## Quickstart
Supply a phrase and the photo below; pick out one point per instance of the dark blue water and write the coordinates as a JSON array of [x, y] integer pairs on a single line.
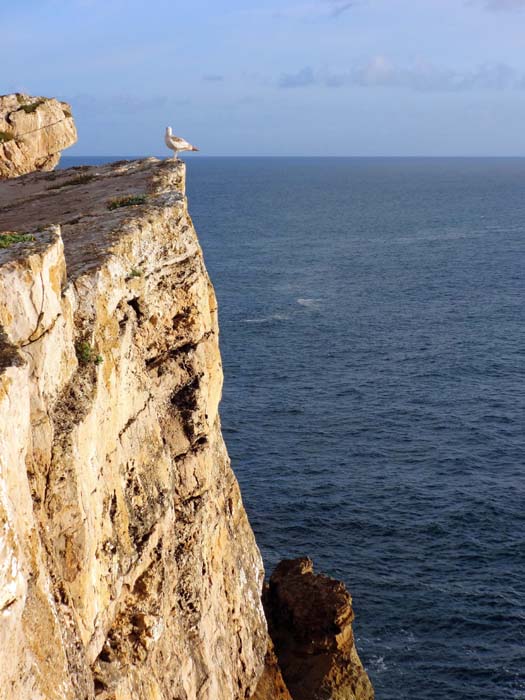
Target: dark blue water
[[373, 329]]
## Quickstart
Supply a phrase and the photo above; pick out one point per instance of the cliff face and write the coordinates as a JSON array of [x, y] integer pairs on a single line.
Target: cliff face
[[128, 568], [33, 132]]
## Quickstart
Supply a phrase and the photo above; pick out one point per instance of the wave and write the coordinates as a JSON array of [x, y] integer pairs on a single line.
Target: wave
[[266, 319], [376, 664], [309, 303]]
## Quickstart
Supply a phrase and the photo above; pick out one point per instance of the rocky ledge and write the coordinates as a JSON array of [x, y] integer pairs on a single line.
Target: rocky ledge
[[33, 132], [128, 567]]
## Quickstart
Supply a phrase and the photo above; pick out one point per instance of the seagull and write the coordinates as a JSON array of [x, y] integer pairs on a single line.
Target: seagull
[[176, 143]]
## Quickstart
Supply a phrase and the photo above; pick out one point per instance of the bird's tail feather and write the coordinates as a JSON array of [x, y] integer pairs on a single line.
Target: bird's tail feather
[[194, 148]]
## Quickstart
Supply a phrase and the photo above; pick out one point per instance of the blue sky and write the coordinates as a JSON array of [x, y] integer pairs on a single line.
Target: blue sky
[[265, 77]]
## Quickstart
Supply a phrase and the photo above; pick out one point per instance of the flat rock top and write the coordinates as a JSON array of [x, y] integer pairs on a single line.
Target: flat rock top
[[319, 605], [21, 114], [89, 203]]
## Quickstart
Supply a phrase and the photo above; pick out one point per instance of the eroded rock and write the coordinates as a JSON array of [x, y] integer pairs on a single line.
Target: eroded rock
[[310, 621], [33, 133]]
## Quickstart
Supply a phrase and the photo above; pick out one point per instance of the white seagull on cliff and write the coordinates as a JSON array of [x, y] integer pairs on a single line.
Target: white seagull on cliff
[[176, 143]]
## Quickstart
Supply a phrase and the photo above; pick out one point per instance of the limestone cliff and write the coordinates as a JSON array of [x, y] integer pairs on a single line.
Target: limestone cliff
[[33, 132], [128, 568]]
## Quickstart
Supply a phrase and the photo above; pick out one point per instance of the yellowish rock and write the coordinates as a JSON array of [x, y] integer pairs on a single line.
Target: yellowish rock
[[33, 133], [128, 568]]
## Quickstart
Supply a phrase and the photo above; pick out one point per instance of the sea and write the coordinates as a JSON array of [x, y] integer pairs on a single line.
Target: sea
[[372, 316]]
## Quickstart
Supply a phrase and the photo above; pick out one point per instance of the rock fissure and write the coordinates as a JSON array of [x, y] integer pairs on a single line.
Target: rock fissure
[[133, 419], [21, 134], [32, 340]]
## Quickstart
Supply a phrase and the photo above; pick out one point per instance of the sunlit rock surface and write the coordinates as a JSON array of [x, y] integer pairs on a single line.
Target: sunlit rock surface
[[128, 568], [33, 132]]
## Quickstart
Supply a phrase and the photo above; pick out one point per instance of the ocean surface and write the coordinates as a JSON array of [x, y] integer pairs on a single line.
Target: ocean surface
[[372, 319]]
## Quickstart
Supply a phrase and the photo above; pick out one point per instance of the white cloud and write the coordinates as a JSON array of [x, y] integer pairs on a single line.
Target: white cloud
[[302, 78], [499, 5], [316, 10], [338, 7], [421, 76]]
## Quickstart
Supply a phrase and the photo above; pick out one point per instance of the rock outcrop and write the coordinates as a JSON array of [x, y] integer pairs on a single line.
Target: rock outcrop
[[33, 132], [310, 620], [128, 568], [271, 685]]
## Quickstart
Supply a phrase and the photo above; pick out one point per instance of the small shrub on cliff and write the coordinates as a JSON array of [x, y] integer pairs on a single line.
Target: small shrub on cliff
[[136, 273], [7, 239], [29, 109], [128, 201], [79, 180], [86, 354]]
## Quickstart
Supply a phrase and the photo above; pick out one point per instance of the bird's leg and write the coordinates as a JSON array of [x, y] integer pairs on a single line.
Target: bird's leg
[[175, 155]]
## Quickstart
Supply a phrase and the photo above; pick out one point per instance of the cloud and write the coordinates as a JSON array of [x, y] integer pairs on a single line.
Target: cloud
[[499, 5], [421, 76], [213, 78], [338, 7], [302, 78], [316, 10]]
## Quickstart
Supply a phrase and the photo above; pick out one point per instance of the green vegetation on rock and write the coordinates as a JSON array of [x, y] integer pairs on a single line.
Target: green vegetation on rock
[[7, 239], [29, 109], [86, 353], [79, 180], [128, 201]]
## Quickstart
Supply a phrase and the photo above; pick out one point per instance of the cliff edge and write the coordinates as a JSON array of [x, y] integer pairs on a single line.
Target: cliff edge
[[128, 568]]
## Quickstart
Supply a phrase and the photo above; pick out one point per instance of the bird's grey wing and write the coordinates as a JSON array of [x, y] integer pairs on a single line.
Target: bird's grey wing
[[177, 141]]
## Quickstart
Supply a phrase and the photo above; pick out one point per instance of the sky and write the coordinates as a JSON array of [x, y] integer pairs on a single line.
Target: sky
[[277, 77]]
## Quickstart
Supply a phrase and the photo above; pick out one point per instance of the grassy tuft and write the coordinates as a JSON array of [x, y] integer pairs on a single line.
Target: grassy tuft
[[79, 180], [29, 109], [7, 239], [86, 353], [129, 201], [136, 273]]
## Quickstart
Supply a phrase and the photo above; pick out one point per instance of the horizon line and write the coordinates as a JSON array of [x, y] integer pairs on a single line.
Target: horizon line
[[162, 157]]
